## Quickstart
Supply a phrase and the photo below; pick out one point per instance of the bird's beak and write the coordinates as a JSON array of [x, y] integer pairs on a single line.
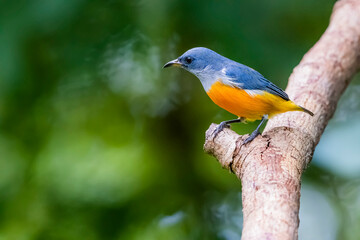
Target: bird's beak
[[175, 63]]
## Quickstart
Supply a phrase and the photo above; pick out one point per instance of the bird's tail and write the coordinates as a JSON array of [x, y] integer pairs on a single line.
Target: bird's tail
[[291, 106], [307, 111]]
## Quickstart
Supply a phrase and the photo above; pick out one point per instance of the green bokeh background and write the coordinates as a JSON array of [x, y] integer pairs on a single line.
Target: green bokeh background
[[99, 142]]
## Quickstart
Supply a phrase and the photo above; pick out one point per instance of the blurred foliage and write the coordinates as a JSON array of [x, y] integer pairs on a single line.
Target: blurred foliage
[[99, 142]]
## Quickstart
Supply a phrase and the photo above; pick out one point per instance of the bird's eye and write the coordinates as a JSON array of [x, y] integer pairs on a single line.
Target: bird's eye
[[188, 60]]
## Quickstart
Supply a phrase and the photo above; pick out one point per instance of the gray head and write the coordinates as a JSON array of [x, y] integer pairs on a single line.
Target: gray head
[[197, 59], [203, 63]]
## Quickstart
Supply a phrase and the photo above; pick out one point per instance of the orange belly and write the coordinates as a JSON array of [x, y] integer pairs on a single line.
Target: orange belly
[[249, 106]]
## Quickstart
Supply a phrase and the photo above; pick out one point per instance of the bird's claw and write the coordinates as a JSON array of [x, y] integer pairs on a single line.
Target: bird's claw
[[252, 136], [220, 127]]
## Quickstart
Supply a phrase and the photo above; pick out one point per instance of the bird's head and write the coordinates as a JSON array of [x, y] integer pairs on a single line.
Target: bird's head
[[196, 60], [204, 63]]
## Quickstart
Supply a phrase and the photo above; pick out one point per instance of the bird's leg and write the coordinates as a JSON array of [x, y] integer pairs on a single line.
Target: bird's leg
[[226, 124], [254, 134]]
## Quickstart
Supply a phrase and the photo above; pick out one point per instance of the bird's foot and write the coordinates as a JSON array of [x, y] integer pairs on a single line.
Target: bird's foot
[[252, 136], [220, 127]]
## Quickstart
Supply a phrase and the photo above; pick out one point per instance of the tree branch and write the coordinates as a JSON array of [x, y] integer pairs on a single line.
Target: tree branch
[[270, 167]]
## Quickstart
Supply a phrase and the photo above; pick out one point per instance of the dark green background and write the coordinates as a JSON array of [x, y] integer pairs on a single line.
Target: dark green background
[[99, 142]]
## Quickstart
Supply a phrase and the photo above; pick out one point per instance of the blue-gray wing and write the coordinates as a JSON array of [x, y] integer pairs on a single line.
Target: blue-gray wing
[[247, 78]]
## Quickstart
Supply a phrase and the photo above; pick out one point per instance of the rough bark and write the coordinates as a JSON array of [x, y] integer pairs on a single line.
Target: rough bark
[[270, 167]]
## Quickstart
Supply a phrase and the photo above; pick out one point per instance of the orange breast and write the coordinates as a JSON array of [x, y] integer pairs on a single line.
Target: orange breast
[[249, 106]]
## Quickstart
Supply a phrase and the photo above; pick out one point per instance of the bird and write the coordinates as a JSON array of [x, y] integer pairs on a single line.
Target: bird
[[236, 88]]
